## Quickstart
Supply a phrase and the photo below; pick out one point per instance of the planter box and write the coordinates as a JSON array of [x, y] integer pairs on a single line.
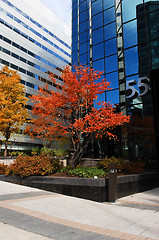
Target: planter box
[[88, 188]]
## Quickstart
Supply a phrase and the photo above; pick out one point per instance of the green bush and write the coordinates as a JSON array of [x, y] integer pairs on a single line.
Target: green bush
[[87, 172], [47, 151], [34, 165], [60, 152]]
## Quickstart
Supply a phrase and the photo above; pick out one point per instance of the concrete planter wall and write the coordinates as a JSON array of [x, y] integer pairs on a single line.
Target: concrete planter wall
[[92, 189]]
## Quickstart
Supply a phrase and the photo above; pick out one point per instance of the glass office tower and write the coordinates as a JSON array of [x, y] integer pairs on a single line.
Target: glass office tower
[[120, 38], [35, 42]]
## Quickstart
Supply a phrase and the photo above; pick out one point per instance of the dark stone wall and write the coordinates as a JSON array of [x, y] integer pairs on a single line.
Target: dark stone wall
[[88, 188]]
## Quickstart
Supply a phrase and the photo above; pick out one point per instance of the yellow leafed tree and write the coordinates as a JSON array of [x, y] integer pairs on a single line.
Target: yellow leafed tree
[[13, 113]]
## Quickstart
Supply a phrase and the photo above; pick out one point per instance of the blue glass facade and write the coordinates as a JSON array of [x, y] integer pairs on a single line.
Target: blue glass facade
[[121, 39]]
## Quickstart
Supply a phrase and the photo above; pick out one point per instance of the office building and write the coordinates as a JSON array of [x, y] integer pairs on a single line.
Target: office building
[[34, 42], [121, 39]]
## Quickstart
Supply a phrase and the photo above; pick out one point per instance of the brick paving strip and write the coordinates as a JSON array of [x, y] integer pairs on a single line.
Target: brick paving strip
[[10, 204], [139, 203]]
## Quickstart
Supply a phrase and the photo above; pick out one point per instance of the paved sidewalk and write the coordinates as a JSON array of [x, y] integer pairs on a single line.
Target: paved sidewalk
[[32, 214]]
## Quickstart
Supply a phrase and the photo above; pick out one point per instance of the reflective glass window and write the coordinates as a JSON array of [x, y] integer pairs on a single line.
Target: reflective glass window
[[15, 45], [110, 31], [23, 49], [22, 81], [74, 14], [129, 9], [109, 15], [5, 62], [28, 84], [96, 7], [37, 67], [37, 57], [111, 64], [75, 38], [7, 40], [98, 51], [83, 59], [97, 36], [99, 65], [83, 27], [74, 46], [6, 51], [100, 98], [110, 47], [131, 61], [83, 6], [97, 21], [108, 4], [74, 22], [22, 59], [15, 55], [22, 70], [83, 48], [82, 17], [83, 37], [30, 74], [130, 33], [112, 96], [75, 55], [74, 6], [14, 66], [113, 79], [30, 63]]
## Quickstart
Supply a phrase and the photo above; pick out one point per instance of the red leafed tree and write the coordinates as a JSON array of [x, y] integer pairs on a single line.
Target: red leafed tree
[[69, 110]]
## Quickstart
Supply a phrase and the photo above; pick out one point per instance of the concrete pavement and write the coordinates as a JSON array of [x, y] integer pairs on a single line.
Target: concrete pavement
[[28, 213]]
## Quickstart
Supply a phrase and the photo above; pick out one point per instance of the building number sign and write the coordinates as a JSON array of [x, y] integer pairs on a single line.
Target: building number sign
[[143, 85]]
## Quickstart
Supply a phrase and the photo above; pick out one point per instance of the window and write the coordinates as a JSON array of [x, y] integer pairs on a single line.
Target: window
[[97, 21], [15, 55], [7, 40], [23, 49], [98, 51], [22, 81], [15, 45], [110, 47], [22, 70], [97, 36], [99, 65], [14, 66], [112, 96], [96, 7], [111, 64], [6, 51], [30, 74], [22, 59], [109, 15], [30, 63]]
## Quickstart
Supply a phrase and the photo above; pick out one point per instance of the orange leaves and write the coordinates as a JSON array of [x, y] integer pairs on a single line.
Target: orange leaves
[[12, 101], [69, 110]]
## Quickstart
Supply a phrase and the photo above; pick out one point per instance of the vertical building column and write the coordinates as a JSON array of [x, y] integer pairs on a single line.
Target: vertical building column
[[120, 53], [90, 33]]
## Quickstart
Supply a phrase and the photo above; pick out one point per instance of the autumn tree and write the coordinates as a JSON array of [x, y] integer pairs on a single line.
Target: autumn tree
[[69, 110], [13, 113]]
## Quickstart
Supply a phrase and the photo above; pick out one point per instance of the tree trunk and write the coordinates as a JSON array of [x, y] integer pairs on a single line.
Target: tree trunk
[[6, 147], [7, 138]]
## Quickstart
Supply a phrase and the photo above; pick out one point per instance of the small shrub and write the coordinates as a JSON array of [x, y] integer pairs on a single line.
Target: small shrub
[[123, 166], [133, 167], [34, 165], [47, 151], [60, 152], [87, 172], [2, 168], [103, 163]]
